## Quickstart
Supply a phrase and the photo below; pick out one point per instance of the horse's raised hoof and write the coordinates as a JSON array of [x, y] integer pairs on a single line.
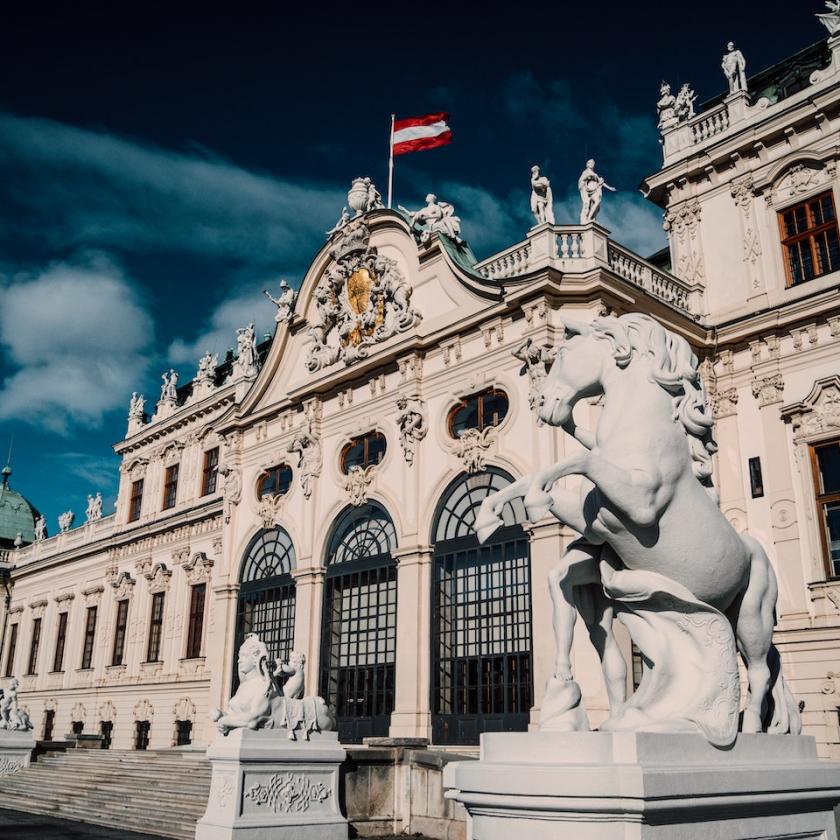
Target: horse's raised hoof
[[562, 707]]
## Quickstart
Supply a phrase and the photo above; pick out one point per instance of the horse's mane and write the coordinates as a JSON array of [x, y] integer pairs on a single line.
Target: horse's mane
[[674, 368]]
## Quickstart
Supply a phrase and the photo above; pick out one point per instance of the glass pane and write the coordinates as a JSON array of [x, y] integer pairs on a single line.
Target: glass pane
[[495, 408], [816, 209], [832, 522], [790, 223], [828, 458], [832, 261], [465, 417], [376, 449], [355, 454], [800, 219], [827, 206]]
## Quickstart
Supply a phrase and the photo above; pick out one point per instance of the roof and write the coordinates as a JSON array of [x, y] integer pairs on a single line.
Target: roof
[[17, 515]]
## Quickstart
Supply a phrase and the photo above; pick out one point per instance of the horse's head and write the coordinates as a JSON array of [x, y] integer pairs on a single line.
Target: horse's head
[[575, 373]]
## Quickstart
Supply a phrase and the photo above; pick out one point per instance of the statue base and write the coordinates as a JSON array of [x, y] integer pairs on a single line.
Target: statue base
[[645, 785], [16, 748], [267, 786]]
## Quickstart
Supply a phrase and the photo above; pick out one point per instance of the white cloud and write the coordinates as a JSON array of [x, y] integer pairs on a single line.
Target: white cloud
[[78, 335]]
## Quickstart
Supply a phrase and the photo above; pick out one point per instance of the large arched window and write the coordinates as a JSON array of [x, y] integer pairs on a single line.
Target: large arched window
[[481, 616], [267, 593], [359, 624]]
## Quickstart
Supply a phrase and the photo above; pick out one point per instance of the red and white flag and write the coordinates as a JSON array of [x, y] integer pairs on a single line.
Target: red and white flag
[[417, 133]]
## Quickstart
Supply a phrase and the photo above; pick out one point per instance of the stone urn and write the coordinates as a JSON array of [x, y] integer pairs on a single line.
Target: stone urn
[[357, 197]]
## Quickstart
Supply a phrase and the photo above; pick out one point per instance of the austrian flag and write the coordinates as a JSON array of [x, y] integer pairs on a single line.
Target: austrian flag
[[417, 133]]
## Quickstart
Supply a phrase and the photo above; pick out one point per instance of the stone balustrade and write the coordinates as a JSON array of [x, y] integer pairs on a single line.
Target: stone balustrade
[[710, 123], [509, 263]]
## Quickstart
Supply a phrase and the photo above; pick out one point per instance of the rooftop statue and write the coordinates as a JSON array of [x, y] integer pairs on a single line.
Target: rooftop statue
[[260, 704], [363, 196], [666, 107], [169, 389], [65, 521], [285, 303], [435, 217], [94, 507], [591, 187], [247, 362], [831, 20], [684, 104], [40, 528], [655, 550], [542, 200], [12, 717], [734, 67], [206, 373], [137, 407]]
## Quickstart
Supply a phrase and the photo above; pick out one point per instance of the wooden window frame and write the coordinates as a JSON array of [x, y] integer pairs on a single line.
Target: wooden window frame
[[135, 503], [482, 424], [89, 638], [195, 622], [822, 499], [156, 627], [365, 441], [810, 233], [120, 628], [170, 486], [33, 648], [210, 472], [60, 642], [11, 650], [274, 470]]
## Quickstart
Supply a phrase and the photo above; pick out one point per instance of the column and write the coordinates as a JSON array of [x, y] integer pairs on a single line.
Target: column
[[778, 488], [309, 596], [412, 716], [221, 657]]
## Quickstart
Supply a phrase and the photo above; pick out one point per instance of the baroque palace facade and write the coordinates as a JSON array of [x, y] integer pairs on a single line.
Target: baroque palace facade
[[320, 489]]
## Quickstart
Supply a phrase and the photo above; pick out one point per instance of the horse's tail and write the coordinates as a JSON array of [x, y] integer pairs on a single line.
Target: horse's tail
[[781, 712]]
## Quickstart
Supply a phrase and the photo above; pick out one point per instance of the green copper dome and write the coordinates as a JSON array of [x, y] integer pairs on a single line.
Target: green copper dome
[[17, 516]]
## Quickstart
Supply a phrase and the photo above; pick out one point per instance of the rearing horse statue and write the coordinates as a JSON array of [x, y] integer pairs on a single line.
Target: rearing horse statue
[[655, 550]]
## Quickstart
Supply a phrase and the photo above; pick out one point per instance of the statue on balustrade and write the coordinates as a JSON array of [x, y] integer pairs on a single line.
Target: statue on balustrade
[[654, 551], [734, 67], [684, 103], [259, 702], [666, 107], [591, 187], [435, 217], [831, 19], [542, 200]]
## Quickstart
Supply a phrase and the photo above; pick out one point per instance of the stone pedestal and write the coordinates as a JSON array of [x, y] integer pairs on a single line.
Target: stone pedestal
[[640, 786], [266, 787], [15, 750]]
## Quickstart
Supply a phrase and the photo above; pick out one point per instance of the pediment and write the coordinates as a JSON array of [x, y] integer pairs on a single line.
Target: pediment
[[819, 411]]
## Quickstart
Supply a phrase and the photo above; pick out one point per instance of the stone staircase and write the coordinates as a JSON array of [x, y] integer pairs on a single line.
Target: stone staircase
[[153, 792]]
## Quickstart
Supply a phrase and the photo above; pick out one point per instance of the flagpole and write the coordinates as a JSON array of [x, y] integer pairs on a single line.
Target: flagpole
[[391, 163]]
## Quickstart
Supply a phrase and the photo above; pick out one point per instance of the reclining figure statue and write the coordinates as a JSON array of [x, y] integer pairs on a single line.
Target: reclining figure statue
[[11, 715], [655, 550], [258, 702]]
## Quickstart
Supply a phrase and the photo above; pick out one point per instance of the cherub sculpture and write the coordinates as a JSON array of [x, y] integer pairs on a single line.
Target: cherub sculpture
[[12, 717]]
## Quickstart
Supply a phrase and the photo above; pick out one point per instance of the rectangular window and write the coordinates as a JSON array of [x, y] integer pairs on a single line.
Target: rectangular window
[[33, 650], [119, 633], [196, 626], [825, 461], [136, 500], [809, 239], [10, 654], [155, 628], [90, 633], [183, 733], [141, 734], [49, 724], [170, 487], [756, 480], [210, 471], [60, 641]]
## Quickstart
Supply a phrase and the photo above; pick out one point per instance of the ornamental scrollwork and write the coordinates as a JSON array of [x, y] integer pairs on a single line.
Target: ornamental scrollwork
[[288, 792], [362, 299]]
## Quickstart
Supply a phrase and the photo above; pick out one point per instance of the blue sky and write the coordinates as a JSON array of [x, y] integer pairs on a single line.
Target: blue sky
[[159, 168]]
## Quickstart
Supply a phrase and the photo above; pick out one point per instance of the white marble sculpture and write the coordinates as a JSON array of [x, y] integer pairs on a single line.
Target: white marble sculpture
[[591, 187], [247, 364], [136, 412], [684, 104], [655, 549], [411, 421], [285, 303], [537, 359], [233, 489], [362, 299], [734, 67], [363, 196], [12, 717], [94, 508], [666, 107], [40, 528], [307, 445], [343, 219], [831, 19], [542, 200], [435, 217], [258, 702], [18, 543], [169, 388], [206, 373], [65, 521], [356, 483]]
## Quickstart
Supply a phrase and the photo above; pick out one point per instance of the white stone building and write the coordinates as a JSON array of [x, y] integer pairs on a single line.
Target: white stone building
[[320, 490]]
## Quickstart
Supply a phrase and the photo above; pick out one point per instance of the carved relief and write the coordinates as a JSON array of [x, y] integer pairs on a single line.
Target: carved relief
[[472, 448], [184, 709], [768, 389], [361, 300], [743, 191], [158, 578], [232, 489], [123, 586], [724, 402], [307, 443], [356, 483], [411, 420], [143, 710], [10, 765], [288, 793], [683, 222], [269, 510], [93, 594], [537, 360], [198, 569], [818, 412]]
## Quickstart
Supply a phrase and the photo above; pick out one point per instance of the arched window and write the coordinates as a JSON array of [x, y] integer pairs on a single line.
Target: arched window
[[481, 616], [363, 451], [478, 411], [359, 622], [275, 481], [266, 603]]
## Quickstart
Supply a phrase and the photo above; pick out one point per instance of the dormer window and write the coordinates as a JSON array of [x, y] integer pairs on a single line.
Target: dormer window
[[809, 239], [363, 451], [275, 481], [478, 411]]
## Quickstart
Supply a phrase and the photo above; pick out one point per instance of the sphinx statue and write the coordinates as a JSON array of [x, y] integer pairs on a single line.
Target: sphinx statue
[[260, 704], [655, 551]]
